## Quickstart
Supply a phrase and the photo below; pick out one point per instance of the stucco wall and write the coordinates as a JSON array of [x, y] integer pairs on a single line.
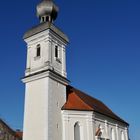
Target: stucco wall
[[109, 126], [89, 123], [35, 112], [85, 121], [57, 98], [44, 99]]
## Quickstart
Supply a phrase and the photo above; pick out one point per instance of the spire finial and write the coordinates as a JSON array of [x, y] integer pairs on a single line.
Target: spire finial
[[47, 11]]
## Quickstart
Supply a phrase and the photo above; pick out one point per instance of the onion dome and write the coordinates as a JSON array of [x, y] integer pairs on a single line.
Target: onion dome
[[47, 11]]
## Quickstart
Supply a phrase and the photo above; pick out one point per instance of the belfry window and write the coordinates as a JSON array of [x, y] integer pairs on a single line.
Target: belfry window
[[76, 131], [43, 19], [38, 51], [47, 18], [56, 52]]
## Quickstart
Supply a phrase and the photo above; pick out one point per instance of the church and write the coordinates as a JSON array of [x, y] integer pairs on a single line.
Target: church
[[54, 110]]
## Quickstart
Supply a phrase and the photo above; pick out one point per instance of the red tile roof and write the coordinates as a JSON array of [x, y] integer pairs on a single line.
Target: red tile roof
[[78, 100], [19, 134]]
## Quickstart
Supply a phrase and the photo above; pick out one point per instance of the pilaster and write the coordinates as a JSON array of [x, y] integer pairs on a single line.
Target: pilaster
[[90, 130], [126, 133], [65, 130], [117, 132], [106, 129]]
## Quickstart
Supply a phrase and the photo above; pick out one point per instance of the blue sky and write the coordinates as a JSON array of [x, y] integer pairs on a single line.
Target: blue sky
[[103, 57]]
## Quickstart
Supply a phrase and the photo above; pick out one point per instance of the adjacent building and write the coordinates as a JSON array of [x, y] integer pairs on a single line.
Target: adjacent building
[[6, 133]]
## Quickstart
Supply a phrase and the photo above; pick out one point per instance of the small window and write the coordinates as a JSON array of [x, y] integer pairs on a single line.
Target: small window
[[43, 19], [38, 51], [47, 18], [56, 52]]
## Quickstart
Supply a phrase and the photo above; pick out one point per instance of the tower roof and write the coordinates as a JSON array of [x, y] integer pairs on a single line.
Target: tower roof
[[45, 26], [47, 11]]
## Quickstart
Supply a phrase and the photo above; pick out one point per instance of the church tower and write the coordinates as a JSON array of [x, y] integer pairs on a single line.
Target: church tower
[[45, 76]]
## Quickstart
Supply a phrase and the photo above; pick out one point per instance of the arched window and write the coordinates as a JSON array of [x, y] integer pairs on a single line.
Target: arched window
[[38, 50], [112, 134], [99, 131], [56, 52], [76, 131], [43, 19], [122, 135]]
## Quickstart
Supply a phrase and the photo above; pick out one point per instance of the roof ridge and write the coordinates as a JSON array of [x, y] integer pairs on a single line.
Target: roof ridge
[[93, 98], [87, 96], [84, 92], [87, 102], [7, 125], [107, 109]]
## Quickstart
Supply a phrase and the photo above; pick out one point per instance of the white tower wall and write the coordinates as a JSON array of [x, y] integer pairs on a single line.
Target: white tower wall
[[45, 82], [43, 101]]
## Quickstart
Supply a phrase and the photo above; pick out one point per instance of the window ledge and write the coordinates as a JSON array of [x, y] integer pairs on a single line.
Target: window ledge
[[37, 58], [58, 60]]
